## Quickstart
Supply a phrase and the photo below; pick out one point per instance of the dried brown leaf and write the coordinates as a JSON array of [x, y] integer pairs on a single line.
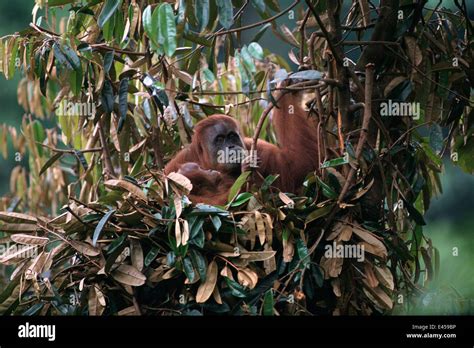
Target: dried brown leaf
[[206, 289]]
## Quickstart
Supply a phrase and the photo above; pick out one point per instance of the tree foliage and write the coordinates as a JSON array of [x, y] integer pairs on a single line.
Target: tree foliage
[[95, 227]]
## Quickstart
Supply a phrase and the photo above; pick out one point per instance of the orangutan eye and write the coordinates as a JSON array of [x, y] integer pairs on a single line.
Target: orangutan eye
[[219, 139], [233, 136]]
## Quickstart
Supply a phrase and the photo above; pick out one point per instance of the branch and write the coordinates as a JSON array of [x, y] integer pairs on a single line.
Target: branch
[[303, 36], [261, 121], [369, 73], [250, 26], [72, 152], [156, 136], [325, 33], [109, 168]]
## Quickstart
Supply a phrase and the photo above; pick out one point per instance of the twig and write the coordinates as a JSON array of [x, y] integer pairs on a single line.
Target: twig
[[253, 25], [369, 71], [43, 31], [109, 168], [363, 43], [76, 216], [117, 50], [261, 121], [369, 75], [223, 106], [96, 149], [339, 132], [303, 36], [326, 34], [159, 162]]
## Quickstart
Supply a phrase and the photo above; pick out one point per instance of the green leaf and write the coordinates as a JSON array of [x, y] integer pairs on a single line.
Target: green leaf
[[216, 221], [196, 234], [189, 269], [317, 274], [76, 81], [199, 261], [234, 190], [137, 166], [148, 25], [108, 60], [72, 57], [123, 103], [261, 32], [206, 209], [39, 135], [167, 29], [108, 11], [256, 50], [195, 225], [416, 240], [269, 180], [119, 27], [334, 162], [318, 213], [259, 5], [415, 214], [50, 162], [268, 303], [152, 254], [100, 226], [248, 60], [61, 57], [117, 251], [107, 97], [226, 13], [202, 13], [431, 154], [81, 158], [303, 253], [69, 59], [241, 199], [33, 309], [115, 245], [328, 192], [12, 62], [236, 289], [208, 75]]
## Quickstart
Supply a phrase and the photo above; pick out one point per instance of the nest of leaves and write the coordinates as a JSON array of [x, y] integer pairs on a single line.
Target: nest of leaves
[[143, 248]]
